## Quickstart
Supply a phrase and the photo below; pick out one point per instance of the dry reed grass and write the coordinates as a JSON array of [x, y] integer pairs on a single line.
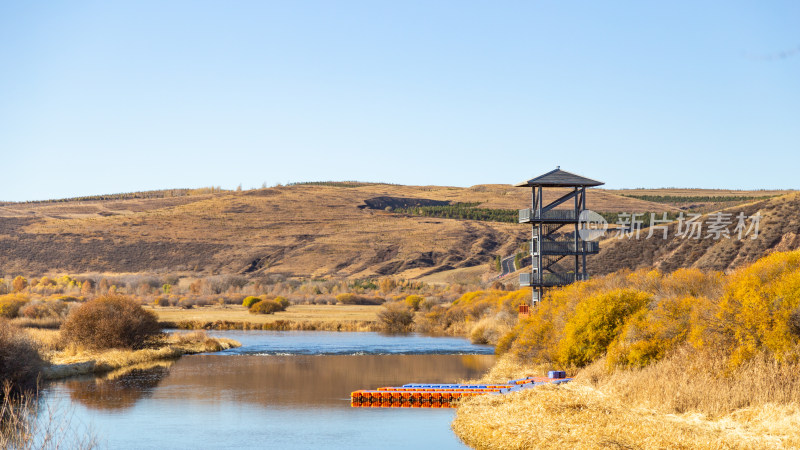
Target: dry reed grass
[[577, 415], [47, 340], [692, 381], [20, 362], [687, 400], [21, 429], [46, 323], [507, 367], [489, 330]]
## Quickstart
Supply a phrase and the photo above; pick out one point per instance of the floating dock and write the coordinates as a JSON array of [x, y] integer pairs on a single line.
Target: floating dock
[[443, 395]]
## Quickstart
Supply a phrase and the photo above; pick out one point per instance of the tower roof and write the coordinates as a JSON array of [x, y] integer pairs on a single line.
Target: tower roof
[[559, 178]]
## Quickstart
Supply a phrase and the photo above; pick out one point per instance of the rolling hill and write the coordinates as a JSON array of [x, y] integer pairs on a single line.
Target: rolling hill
[[314, 230]]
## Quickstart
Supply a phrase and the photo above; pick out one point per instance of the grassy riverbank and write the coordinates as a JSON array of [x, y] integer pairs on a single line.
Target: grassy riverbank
[[63, 361], [296, 317]]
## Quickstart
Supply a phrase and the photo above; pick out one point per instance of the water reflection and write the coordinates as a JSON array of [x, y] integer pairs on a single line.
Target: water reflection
[[120, 389], [297, 380], [274, 401], [313, 380]]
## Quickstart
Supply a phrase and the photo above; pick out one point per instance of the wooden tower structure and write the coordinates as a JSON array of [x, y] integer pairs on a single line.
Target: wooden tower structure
[[555, 233]]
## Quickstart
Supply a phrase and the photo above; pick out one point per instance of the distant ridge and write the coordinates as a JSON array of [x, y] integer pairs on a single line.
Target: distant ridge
[[316, 229]]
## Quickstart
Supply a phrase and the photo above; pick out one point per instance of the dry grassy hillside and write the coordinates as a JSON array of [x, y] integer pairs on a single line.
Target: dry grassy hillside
[[779, 229], [330, 230]]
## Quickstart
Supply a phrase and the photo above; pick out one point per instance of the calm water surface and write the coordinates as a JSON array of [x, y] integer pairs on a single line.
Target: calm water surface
[[279, 390]]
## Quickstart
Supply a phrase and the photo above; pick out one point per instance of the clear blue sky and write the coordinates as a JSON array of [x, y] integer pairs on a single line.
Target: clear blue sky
[[104, 97]]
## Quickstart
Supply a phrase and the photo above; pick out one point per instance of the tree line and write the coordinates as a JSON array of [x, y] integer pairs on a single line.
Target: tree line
[[696, 198]]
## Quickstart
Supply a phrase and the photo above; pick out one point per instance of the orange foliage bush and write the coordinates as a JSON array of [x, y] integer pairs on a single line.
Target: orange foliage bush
[[396, 317], [111, 321], [477, 304], [283, 301], [266, 307], [19, 283]]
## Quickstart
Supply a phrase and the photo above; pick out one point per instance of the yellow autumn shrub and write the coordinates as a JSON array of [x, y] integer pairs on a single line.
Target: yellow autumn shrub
[[479, 303], [596, 323], [538, 337], [413, 301], [638, 317], [759, 307], [10, 304], [650, 333], [692, 282]]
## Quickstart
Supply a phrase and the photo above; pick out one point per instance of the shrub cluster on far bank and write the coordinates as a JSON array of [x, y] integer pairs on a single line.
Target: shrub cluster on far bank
[[250, 301], [188, 290], [396, 318], [484, 316], [20, 305], [269, 305], [349, 298]]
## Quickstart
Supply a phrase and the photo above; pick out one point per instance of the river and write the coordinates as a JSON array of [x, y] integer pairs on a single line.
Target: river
[[279, 390]]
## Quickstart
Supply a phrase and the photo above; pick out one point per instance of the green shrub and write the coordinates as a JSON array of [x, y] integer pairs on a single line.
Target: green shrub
[[111, 321], [250, 301], [266, 307], [20, 363]]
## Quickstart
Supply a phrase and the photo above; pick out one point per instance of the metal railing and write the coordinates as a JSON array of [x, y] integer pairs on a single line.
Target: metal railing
[[555, 215], [547, 279], [565, 247]]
